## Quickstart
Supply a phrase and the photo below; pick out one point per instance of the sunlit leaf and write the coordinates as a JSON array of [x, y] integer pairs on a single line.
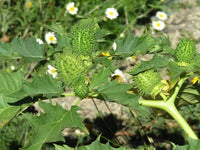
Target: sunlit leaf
[[48, 126], [29, 49], [156, 62]]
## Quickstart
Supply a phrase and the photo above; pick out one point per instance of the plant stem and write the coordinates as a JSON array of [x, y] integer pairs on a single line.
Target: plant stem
[[169, 107], [177, 89]]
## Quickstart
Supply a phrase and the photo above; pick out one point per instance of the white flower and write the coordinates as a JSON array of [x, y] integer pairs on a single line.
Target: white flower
[[39, 41], [158, 25], [161, 15], [12, 68], [114, 46], [53, 71], [71, 9], [111, 13], [118, 74], [50, 38]]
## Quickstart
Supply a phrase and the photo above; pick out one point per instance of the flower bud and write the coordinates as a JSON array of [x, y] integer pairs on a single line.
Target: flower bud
[[148, 82], [185, 51]]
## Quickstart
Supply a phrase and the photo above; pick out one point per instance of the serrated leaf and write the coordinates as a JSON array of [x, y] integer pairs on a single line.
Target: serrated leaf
[[29, 49], [47, 86], [131, 45], [115, 92], [100, 78], [156, 62], [48, 126], [10, 82]]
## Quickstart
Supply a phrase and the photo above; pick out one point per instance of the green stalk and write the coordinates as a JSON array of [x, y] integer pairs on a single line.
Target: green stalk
[[168, 106]]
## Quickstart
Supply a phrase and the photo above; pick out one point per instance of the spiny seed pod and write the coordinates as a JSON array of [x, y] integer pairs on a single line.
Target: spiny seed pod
[[185, 51], [147, 81], [81, 87], [84, 37], [70, 67]]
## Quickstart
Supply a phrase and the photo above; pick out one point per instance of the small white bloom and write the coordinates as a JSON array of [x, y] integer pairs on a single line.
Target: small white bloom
[[79, 132], [111, 13], [161, 15], [39, 41], [118, 74], [53, 71], [12, 68], [71, 9], [158, 25], [50, 38], [114, 46]]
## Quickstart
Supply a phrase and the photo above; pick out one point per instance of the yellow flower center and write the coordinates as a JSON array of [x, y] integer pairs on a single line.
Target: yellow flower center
[[195, 79], [29, 4], [161, 16], [111, 13], [158, 24], [71, 9], [51, 38], [53, 71]]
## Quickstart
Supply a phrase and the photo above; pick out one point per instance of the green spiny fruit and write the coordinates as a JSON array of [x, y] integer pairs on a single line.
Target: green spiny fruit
[[81, 87], [70, 67], [148, 81], [185, 51], [83, 36]]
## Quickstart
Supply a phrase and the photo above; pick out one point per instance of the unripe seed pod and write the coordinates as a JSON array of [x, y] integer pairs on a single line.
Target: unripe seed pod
[[70, 67], [147, 82], [84, 37], [81, 87], [185, 51]]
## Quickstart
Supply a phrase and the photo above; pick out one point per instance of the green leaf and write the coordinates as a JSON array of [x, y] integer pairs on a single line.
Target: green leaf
[[10, 82], [7, 112], [115, 92], [189, 94], [134, 45], [29, 49], [95, 145], [48, 126], [47, 86], [5, 49], [100, 78], [174, 71], [193, 145], [156, 62]]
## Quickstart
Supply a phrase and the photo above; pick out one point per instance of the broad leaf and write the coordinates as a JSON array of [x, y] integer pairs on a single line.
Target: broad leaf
[[47, 86], [100, 78], [115, 92], [29, 49], [156, 62], [5, 49], [10, 82], [48, 126], [134, 45], [7, 112]]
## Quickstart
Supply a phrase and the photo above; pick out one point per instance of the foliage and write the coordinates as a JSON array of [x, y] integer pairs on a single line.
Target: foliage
[[86, 63]]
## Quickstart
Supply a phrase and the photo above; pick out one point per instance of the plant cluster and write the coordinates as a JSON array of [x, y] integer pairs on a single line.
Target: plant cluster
[[83, 56]]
